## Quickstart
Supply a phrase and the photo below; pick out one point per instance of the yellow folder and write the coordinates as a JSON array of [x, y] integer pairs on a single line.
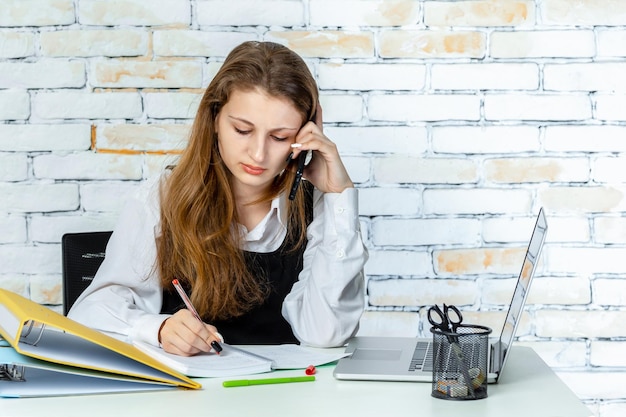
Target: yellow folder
[[35, 331]]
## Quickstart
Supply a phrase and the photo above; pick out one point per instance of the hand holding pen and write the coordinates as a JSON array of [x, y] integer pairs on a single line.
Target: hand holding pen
[[185, 333]]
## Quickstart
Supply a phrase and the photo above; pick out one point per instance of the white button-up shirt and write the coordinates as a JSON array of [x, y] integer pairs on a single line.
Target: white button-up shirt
[[323, 307]]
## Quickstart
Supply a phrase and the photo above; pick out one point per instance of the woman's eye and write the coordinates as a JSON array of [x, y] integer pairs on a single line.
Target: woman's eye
[[276, 138], [242, 132]]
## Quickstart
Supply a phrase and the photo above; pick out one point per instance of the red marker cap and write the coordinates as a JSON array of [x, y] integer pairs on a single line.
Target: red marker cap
[[310, 370]]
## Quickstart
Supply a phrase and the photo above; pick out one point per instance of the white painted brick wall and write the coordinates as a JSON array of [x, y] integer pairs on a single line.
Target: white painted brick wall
[[457, 121]]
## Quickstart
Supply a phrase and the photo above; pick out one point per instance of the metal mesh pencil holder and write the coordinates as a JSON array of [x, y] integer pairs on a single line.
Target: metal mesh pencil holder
[[459, 357]]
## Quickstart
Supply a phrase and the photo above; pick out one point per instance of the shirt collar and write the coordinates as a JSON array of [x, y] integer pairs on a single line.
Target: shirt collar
[[275, 217]]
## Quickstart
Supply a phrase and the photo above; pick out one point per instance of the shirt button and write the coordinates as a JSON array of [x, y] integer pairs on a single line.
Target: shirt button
[[340, 210], [340, 253]]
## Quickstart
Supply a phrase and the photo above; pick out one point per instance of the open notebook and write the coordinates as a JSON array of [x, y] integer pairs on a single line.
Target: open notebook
[[244, 360], [410, 358]]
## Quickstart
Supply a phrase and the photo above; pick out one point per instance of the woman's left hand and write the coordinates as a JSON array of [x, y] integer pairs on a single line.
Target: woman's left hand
[[326, 170]]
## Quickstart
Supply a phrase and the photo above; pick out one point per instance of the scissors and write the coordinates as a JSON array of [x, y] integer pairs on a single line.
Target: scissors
[[443, 320], [447, 322]]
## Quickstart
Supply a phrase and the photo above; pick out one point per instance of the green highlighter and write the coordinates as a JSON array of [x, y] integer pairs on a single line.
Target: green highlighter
[[266, 381]]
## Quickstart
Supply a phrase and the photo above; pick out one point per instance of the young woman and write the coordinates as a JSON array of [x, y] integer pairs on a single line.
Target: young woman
[[260, 268]]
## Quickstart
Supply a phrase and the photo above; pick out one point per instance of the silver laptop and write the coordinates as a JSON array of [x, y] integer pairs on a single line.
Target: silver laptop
[[410, 358]]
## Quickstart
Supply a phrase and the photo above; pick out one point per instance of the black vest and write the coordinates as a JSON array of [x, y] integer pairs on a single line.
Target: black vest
[[264, 324]]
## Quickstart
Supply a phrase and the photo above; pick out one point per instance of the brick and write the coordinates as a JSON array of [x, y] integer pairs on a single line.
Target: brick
[[172, 105], [456, 262], [585, 260], [586, 13], [588, 199], [612, 409], [358, 168], [44, 259], [407, 140], [36, 137], [388, 201], [81, 105], [155, 164], [20, 198], [17, 13], [134, 12], [45, 73], [326, 44], [572, 138], [17, 44], [477, 201], [341, 108], [608, 353], [565, 291], [401, 169], [514, 229], [90, 43], [479, 13], [574, 323], [490, 76], [142, 137], [363, 13], [399, 263], [526, 170], [13, 229], [421, 292], [431, 44], [609, 291], [16, 283], [609, 230], [543, 44], [139, 74], [611, 107], [495, 321], [14, 105], [423, 107], [367, 77], [485, 139], [87, 165], [585, 77], [46, 289], [559, 353], [611, 43], [50, 229], [266, 13], [198, 43], [13, 167], [103, 196], [609, 170], [420, 232], [537, 107]]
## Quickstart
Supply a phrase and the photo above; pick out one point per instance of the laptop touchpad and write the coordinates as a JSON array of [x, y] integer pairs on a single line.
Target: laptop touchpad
[[376, 354]]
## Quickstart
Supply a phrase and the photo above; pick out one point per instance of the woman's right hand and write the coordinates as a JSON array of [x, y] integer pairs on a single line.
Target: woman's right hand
[[182, 334]]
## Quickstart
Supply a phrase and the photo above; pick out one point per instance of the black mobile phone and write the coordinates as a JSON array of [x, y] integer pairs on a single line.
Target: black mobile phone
[[302, 159]]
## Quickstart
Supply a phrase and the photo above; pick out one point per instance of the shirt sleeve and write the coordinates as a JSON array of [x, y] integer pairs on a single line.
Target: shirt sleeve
[[326, 303], [125, 296]]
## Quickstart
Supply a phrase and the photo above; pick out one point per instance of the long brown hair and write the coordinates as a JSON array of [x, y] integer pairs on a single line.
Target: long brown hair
[[199, 242]]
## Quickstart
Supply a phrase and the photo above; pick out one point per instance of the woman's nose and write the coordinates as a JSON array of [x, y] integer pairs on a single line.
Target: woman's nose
[[256, 148]]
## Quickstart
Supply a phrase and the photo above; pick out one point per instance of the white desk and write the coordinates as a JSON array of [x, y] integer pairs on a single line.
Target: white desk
[[528, 388]]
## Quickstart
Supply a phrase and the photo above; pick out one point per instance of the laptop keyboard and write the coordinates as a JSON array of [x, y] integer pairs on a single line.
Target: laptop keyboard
[[422, 357]]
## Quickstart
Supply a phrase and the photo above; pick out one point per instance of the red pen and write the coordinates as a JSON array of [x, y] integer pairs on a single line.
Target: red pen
[[216, 346]]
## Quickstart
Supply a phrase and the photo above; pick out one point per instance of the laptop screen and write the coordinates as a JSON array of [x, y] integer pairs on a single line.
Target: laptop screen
[[523, 285]]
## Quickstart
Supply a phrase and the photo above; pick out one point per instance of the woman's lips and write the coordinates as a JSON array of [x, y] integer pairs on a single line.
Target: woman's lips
[[252, 170]]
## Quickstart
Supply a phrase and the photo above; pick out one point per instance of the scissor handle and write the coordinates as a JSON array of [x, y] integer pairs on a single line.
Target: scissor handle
[[453, 319], [443, 319], [439, 320]]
